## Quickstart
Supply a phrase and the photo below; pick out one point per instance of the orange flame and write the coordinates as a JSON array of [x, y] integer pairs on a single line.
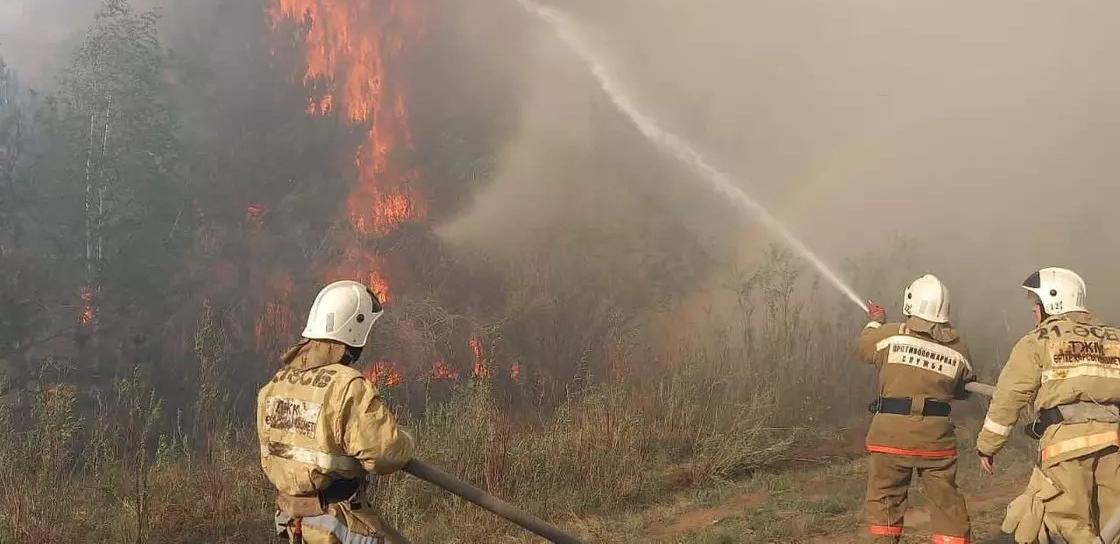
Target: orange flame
[[515, 372], [480, 370], [88, 312], [380, 286], [351, 48], [383, 373], [362, 266], [350, 45], [441, 372]]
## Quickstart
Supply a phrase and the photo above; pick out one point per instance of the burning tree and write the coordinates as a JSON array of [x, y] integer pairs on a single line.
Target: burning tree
[[352, 70]]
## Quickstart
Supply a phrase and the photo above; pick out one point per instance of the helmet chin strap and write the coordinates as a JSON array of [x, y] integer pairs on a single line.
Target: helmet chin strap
[[1039, 307], [352, 355]]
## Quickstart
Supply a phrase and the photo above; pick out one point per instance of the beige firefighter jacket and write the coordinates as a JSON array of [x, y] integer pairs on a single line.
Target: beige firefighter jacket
[[318, 421], [1069, 358], [920, 360]]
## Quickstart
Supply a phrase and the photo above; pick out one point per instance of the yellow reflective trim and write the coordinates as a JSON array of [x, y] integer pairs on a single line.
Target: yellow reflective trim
[[991, 426], [320, 459], [1080, 443], [1081, 371]]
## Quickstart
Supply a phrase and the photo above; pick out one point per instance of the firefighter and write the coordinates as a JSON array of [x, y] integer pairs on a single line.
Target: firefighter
[[323, 427], [1070, 365], [923, 365]]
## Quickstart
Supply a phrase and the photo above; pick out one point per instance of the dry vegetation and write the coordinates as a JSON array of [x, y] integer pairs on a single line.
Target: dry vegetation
[[123, 466], [744, 408]]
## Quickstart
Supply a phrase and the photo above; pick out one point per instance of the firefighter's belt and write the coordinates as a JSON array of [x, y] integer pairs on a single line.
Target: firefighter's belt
[[314, 505], [1077, 412], [903, 406]]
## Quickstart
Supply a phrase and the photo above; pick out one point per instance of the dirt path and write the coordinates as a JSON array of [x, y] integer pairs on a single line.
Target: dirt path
[[822, 506], [701, 518]]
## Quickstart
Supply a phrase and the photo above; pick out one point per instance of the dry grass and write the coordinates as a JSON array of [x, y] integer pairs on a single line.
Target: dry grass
[[729, 408], [112, 477]]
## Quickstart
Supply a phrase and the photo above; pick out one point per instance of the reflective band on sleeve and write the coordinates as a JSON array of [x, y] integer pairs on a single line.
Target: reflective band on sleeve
[[1080, 443], [1090, 371], [927, 454], [942, 539], [885, 530], [311, 457], [340, 531], [872, 325], [991, 426]]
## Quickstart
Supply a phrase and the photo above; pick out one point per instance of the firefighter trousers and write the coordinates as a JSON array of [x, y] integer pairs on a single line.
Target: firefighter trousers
[[1090, 495], [888, 487]]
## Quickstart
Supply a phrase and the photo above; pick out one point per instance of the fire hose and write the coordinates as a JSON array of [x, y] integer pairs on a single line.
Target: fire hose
[[1111, 530], [462, 489]]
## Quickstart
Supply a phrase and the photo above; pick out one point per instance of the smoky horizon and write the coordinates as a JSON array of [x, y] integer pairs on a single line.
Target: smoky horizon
[[961, 140]]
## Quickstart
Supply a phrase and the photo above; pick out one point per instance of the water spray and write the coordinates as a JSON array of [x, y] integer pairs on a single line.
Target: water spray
[[676, 146]]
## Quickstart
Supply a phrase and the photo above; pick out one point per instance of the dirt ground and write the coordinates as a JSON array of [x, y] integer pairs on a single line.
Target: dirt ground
[[817, 499]]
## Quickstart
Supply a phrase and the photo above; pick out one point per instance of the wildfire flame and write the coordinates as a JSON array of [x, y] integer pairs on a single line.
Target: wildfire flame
[[441, 372], [350, 47], [86, 317], [383, 373], [480, 370], [363, 266], [515, 372], [353, 51]]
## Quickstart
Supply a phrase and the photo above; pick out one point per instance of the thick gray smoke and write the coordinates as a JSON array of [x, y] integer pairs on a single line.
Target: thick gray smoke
[[34, 33], [37, 35], [984, 138], [982, 132]]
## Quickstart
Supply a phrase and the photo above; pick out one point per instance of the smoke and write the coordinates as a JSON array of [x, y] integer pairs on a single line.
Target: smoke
[[982, 132], [982, 138], [37, 35]]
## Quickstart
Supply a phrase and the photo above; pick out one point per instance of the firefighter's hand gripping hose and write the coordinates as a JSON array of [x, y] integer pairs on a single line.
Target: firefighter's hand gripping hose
[[489, 502], [876, 312]]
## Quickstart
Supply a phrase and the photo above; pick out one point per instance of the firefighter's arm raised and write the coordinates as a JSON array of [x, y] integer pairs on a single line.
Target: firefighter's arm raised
[[1018, 382], [867, 344], [370, 432], [873, 332]]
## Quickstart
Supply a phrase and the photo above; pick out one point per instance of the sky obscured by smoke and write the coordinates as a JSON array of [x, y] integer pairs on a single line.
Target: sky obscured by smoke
[[983, 132], [34, 33], [37, 35]]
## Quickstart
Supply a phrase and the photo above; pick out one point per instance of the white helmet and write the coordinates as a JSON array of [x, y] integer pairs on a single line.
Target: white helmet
[[1060, 290], [928, 299], [344, 312]]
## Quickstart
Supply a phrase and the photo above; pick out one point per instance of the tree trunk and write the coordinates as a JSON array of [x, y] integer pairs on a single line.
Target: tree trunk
[[87, 336]]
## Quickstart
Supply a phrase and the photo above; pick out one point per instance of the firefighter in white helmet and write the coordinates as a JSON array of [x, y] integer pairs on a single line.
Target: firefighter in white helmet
[[322, 426], [922, 365], [1070, 366]]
